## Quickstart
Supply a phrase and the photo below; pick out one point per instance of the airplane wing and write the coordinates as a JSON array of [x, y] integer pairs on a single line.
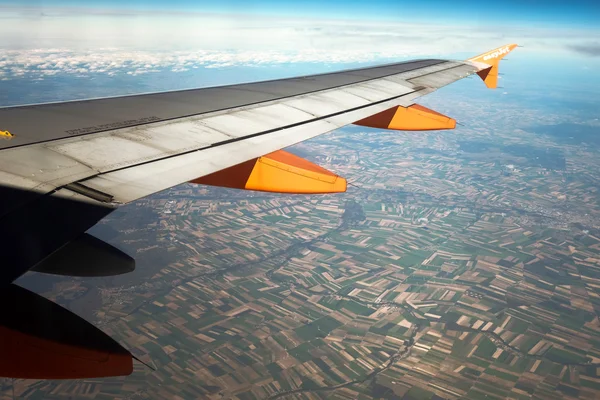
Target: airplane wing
[[64, 166]]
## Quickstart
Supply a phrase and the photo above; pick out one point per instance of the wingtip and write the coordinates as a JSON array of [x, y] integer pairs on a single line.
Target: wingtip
[[487, 64], [493, 56]]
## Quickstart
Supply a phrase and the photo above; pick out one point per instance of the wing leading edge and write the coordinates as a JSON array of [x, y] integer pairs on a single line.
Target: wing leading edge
[[64, 166]]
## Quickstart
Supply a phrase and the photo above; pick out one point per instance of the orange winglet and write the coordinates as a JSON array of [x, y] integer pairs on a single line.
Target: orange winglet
[[412, 118], [278, 172], [488, 62]]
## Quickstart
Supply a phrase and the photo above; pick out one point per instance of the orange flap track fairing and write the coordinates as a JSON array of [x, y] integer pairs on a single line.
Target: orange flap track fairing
[[412, 118], [278, 172]]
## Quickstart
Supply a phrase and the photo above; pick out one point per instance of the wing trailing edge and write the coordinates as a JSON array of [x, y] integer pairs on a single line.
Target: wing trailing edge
[[278, 172], [489, 62]]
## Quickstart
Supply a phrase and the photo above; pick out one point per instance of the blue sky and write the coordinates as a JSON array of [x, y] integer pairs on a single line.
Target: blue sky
[[201, 43], [547, 12]]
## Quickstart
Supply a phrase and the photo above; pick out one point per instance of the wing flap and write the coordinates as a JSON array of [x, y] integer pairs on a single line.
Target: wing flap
[[242, 123], [375, 91], [42, 165]]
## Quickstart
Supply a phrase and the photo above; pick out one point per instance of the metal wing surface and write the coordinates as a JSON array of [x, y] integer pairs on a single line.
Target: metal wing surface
[[64, 166]]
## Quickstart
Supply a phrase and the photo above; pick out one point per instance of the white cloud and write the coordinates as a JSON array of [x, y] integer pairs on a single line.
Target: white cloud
[[76, 42], [41, 62]]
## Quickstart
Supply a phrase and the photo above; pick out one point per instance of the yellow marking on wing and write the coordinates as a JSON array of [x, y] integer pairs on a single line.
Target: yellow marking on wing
[[6, 135]]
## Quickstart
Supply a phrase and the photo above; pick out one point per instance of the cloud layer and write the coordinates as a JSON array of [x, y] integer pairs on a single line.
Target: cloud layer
[[588, 49], [49, 62], [38, 44]]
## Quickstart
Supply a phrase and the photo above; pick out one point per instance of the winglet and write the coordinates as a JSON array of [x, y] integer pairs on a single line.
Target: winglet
[[488, 64]]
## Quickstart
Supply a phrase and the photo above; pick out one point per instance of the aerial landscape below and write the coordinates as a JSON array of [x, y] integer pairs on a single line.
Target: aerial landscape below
[[460, 264], [441, 272]]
